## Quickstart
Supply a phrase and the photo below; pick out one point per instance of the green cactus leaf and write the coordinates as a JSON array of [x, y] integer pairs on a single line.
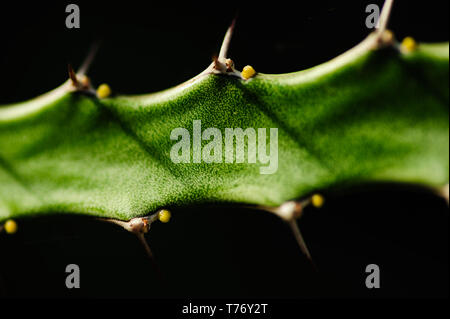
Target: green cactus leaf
[[371, 115]]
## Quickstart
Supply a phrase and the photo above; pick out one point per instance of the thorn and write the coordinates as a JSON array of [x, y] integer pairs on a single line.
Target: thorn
[[290, 211], [383, 36], [221, 64], [72, 75], [150, 255], [141, 225], [89, 58], [300, 241], [79, 79], [384, 16], [148, 251], [138, 225], [79, 82], [226, 42], [216, 63]]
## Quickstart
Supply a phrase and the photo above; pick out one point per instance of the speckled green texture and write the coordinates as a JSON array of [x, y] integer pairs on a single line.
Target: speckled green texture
[[370, 116]]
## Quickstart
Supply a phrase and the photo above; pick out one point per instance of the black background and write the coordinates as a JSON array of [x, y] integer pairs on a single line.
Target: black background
[[218, 251]]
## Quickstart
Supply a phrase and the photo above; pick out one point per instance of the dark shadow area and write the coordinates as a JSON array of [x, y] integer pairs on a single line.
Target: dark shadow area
[[226, 251]]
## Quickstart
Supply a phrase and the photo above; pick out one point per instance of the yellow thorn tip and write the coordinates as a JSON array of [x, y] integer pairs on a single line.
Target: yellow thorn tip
[[409, 44], [10, 226], [248, 72], [317, 200], [103, 91], [164, 216]]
